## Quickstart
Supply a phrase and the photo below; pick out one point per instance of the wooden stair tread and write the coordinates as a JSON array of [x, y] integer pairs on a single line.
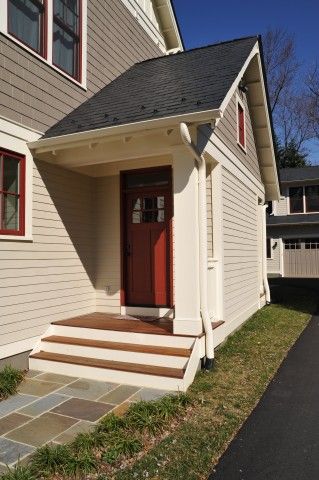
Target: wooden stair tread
[[217, 324], [126, 347], [111, 364]]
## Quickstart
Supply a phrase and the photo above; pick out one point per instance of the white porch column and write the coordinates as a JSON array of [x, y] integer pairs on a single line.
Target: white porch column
[[186, 254]]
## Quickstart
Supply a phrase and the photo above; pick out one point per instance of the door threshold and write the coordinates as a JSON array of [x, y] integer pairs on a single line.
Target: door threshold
[[159, 312]]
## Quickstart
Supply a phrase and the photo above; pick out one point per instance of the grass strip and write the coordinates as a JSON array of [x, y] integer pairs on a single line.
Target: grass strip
[[182, 436], [224, 398], [10, 378]]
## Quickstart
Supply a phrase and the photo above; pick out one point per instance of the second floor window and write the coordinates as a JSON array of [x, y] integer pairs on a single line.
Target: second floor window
[[66, 36], [304, 199], [26, 23], [296, 199], [312, 198]]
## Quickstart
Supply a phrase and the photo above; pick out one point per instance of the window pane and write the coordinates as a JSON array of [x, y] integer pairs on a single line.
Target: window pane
[[137, 204], [68, 12], [10, 212], [24, 22], [136, 180], [312, 198], [11, 175], [65, 50], [136, 217], [296, 199], [268, 248]]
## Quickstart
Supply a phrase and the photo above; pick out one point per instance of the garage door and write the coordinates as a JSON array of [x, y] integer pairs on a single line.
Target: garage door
[[301, 258]]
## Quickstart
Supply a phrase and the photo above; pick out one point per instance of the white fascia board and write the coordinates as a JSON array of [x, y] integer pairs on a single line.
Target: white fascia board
[[256, 52], [57, 143]]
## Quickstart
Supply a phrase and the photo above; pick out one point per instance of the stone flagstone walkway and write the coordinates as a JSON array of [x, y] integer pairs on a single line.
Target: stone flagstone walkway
[[54, 408]]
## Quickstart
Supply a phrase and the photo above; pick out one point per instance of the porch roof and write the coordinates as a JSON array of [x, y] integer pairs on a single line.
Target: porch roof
[[189, 82]]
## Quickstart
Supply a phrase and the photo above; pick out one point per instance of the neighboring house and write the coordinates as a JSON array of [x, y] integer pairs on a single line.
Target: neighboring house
[[293, 225], [133, 213]]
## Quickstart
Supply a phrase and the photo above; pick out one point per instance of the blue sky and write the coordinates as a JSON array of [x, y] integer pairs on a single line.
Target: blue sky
[[206, 21]]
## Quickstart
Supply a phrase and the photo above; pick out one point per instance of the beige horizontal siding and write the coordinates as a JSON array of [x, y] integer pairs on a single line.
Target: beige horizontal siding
[[282, 206], [226, 131], [240, 236], [273, 264], [36, 95], [52, 277], [107, 245]]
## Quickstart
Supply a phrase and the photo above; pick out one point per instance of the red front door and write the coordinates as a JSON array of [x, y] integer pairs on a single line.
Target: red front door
[[147, 244]]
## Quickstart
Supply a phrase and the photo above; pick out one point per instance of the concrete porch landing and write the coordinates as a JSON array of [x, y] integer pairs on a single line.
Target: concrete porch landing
[[53, 408]]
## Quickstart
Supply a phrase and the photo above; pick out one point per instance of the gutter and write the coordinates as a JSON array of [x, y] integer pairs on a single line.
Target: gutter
[[203, 250], [264, 255], [65, 141]]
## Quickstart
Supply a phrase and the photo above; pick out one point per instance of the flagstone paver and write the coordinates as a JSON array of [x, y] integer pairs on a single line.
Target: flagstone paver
[[56, 378], [83, 409], [43, 404], [88, 389], [14, 403], [41, 429], [53, 408], [38, 388], [119, 394], [149, 394], [11, 421], [32, 373], [68, 435], [11, 451]]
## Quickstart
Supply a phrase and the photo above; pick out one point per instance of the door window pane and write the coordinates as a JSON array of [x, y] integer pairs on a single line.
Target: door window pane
[[296, 199], [312, 198], [156, 178], [25, 21]]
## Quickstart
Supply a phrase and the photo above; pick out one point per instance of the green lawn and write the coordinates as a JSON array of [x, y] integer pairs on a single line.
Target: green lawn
[[225, 397], [182, 437], [10, 378]]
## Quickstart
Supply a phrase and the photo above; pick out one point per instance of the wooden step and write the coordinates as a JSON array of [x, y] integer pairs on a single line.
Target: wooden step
[[125, 347], [111, 365]]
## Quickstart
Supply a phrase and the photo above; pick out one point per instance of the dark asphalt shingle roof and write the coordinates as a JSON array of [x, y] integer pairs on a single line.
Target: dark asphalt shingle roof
[[302, 174], [187, 82], [273, 220]]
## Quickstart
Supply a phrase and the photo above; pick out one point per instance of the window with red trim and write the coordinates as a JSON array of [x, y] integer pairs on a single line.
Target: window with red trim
[[241, 125], [12, 193], [27, 22], [67, 36]]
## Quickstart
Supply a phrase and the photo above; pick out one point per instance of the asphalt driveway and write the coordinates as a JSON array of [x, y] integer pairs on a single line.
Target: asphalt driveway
[[280, 439]]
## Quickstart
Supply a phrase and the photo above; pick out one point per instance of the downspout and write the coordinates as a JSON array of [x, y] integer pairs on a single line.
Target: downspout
[[203, 250], [264, 255]]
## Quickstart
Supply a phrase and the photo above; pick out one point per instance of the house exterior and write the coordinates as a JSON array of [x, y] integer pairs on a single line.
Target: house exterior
[[134, 178], [293, 225]]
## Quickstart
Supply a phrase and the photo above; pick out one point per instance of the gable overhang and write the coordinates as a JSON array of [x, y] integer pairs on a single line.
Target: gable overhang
[[252, 75], [120, 142], [169, 25]]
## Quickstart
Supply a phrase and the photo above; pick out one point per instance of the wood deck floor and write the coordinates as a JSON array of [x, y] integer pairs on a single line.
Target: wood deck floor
[[109, 321]]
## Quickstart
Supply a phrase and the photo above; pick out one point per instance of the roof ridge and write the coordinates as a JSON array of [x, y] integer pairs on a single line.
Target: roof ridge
[[199, 48]]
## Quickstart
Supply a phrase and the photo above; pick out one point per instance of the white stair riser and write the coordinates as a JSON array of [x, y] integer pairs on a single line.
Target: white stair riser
[[124, 337], [104, 375], [117, 355]]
